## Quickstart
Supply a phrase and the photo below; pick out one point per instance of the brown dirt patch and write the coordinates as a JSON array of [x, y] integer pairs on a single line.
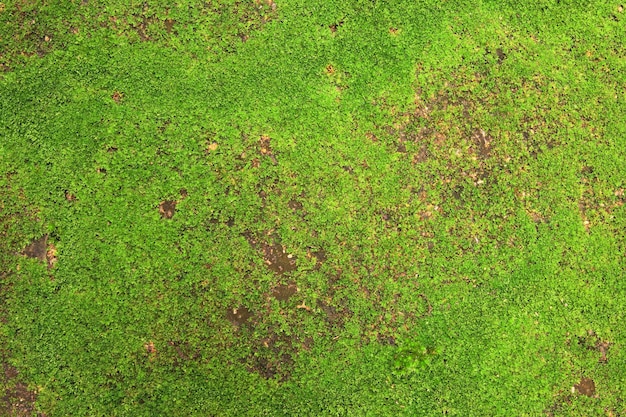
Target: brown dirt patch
[[167, 209], [265, 145], [501, 55], [586, 386], [603, 348], [282, 292], [273, 357], [51, 255], [238, 315], [18, 400], [69, 196], [265, 148], [421, 155], [319, 255], [211, 147], [295, 205], [371, 136], [275, 255], [482, 140], [150, 348], [169, 25], [117, 97], [37, 249], [277, 259], [335, 26], [336, 316]]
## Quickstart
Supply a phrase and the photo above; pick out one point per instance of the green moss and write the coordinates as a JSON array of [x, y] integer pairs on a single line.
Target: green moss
[[447, 179]]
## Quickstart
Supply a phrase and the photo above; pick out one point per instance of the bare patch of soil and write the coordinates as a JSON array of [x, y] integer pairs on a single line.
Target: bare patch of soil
[[265, 145], [167, 209], [238, 315], [335, 26], [603, 348], [421, 155], [37, 249], [295, 205], [586, 386], [265, 148], [273, 357], [150, 348], [117, 96], [70, 197], [277, 259], [501, 55], [169, 25], [18, 400], [211, 147], [335, 316], [482, 141], [51, 255], [319, 255], [275, 255], [282, 292]]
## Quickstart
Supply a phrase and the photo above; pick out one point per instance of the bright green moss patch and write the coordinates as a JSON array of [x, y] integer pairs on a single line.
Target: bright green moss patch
[[312, 208]]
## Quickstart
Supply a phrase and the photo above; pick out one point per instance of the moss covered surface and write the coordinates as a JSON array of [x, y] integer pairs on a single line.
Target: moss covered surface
[[313, 208]]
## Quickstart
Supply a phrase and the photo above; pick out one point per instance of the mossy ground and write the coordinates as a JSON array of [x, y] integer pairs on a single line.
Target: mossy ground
[[313, 208]]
